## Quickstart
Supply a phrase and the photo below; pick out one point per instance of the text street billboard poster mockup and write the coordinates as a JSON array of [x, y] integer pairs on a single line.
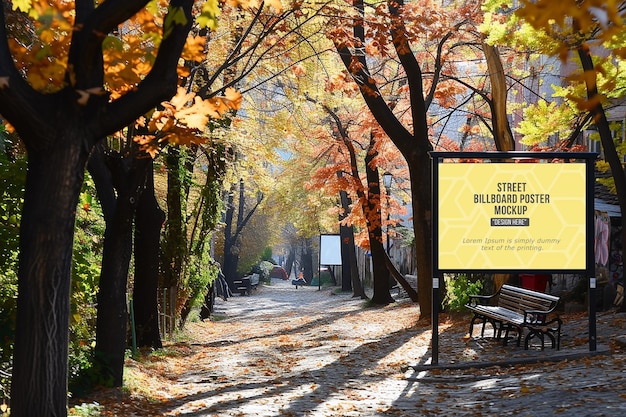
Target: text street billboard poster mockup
[[511, 216]]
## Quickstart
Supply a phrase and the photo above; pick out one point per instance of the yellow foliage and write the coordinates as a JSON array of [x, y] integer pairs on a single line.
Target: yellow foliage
[[194, 48], [276, 5], [21, 5], [208, 16], [574, 25], [182, 120], [546, 14]]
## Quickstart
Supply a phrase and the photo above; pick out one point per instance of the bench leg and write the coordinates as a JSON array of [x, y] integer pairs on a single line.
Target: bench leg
[[507, 327], [555, 340], [484, 321], [552, 329], [493, 326], [559, 323], [532, 333], [520, 332], [471, 326]]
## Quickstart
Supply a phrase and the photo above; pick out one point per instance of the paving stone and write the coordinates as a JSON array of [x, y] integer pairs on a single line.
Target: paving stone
[[304, 352]]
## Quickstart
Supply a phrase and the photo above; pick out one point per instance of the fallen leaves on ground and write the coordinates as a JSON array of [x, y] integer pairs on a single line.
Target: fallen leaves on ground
[[309, 351]]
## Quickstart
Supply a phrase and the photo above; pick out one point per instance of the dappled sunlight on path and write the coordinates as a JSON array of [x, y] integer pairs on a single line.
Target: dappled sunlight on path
[[298, 352], [284, 351]]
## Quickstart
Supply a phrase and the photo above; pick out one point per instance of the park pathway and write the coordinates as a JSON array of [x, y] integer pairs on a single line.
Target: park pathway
[[298, 352], [307, 353]]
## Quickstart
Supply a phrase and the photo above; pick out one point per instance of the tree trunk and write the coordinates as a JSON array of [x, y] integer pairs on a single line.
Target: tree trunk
[[235, 239], [420, 175], [381, 295], [345, 233], [128, 175], [40, 358], [148, 222], [502, 134], [209, 302], [350, 269], [229, 244], [357, 285], [112, 316], [307, 262], [112, 320], [606, 139], [400, 279], [291, 257], [232, 241], [499, 280], [174, 243], [346, 265]]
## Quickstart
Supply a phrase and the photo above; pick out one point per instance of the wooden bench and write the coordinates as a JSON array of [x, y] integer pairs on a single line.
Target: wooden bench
[[299, 282], [412, 280], [243, 286], [517, 309]]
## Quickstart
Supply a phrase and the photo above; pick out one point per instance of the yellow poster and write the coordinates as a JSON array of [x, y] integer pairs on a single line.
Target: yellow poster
[[511, 216]]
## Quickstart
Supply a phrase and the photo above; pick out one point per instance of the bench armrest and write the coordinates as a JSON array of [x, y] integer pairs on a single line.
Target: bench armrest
[[535, 316], [480, 299]]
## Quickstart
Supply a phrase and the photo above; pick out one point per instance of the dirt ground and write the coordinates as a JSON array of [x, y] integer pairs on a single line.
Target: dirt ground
[[302, 352]]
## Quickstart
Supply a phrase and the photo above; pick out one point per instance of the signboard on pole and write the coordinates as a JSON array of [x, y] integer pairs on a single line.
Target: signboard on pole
[[513, 212], [512, 216], [330, 250]]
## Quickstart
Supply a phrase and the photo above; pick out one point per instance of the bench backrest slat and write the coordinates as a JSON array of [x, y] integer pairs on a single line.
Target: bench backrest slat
[[520, 300]]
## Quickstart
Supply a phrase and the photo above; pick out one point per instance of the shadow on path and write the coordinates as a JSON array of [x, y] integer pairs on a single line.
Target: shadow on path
[[347, 371]]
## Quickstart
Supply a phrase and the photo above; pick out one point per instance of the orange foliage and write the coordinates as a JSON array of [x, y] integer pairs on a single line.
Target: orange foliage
[[183, 119], [342, 153], [41, 35], [40, 40]]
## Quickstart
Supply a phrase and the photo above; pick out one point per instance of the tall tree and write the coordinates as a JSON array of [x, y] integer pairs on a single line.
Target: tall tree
[[60, 123], [573, 31], [127, 176], [373, 218], [350, 280], [342, 157], [149, 219], [233, 231], [386, 28]]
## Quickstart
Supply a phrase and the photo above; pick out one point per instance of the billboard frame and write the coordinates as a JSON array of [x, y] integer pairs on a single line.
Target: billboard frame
[[330, 249], [329, 253], [438, 158]]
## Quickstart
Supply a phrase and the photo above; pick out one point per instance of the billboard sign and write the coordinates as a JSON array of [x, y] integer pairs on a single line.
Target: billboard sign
[[330, 250], [511, 216]]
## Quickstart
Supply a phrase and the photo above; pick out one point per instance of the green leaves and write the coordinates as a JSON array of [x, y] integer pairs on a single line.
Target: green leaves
[[208, 15], [175, 16], [22, 5], [459, 289], [544, 119]]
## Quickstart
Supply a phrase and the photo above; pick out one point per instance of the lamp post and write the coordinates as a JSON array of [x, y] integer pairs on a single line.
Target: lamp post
[[387, 179]]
